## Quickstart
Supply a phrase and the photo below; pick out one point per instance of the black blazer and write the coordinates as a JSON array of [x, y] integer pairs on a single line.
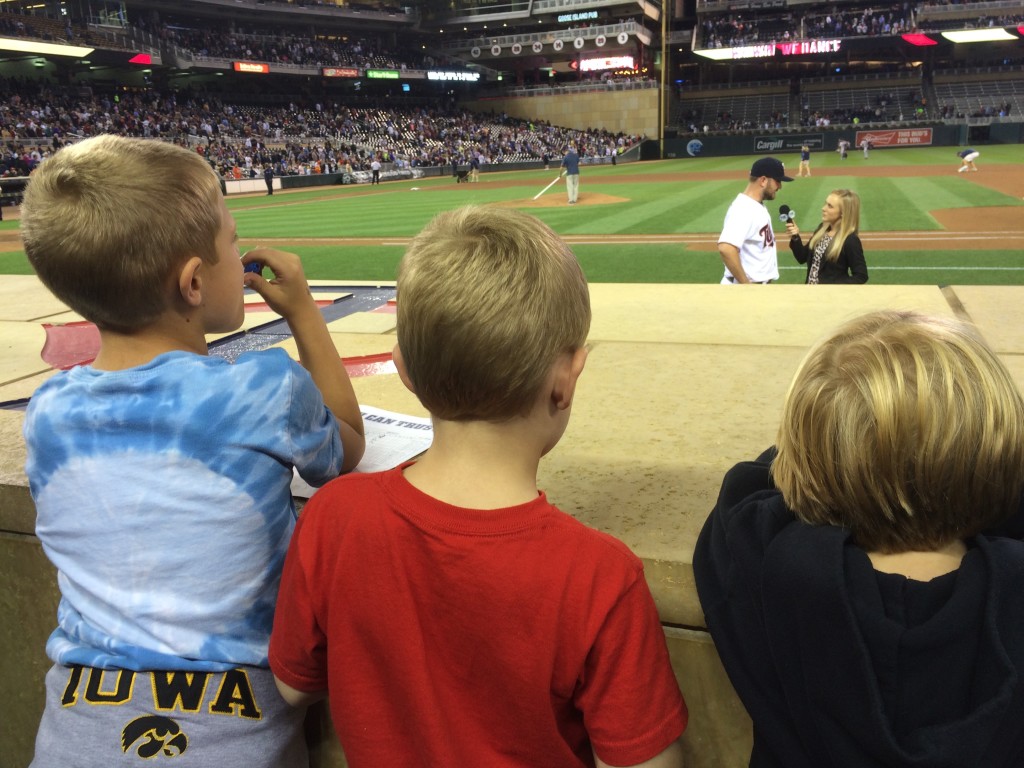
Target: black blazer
[[850, 267]]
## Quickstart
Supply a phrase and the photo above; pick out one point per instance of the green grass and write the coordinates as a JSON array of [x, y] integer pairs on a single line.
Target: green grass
[[654, 201], [14, 264]]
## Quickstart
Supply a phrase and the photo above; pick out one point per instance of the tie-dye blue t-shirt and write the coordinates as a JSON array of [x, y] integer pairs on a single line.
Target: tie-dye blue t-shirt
[[162, 497]]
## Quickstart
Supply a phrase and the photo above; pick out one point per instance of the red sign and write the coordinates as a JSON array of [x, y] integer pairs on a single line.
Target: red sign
[[251, 66], [919, 39], [808, 46], [902, 137], [340, 72]]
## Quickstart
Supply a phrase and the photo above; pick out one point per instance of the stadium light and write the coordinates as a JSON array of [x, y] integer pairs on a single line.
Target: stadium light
[[978, 35], [718, 54], [44, 49]]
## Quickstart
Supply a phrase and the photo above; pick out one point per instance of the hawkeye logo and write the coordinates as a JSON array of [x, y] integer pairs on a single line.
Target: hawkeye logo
[[162, 734], [227, 694]]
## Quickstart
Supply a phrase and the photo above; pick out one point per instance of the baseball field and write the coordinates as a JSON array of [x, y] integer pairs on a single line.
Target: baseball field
[[658, 221]]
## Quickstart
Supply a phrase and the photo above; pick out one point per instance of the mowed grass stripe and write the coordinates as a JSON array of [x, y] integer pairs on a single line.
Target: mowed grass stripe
[[662, 263], [658, 205], [888, 204], [674, 263]]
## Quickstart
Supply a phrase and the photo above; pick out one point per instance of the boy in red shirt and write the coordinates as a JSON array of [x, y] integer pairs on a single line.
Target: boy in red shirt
[[450, 612]]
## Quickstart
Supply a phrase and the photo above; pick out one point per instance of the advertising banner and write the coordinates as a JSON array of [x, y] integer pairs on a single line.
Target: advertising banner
[[251, 66], [464, 77], [900, 137], [340, 72], [765, 145]]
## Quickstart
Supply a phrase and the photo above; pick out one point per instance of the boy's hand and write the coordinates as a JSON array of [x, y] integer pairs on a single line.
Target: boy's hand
[[288, 292]]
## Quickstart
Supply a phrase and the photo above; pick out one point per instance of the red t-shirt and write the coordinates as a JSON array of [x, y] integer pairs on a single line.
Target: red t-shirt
[[451, 636]]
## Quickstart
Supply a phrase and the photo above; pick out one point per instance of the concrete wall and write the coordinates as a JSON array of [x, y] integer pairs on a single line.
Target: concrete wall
[[642, 459], [632, 112]]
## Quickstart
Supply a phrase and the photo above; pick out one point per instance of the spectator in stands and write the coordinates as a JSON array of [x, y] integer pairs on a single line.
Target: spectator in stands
[[451, 614], [862, 615], [160, 475], [834, 253]]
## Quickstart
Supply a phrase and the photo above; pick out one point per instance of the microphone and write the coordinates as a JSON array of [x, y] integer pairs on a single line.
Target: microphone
[[786, 213]]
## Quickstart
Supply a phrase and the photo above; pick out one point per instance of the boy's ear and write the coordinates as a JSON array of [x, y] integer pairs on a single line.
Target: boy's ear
[[403, 372], [567, 373], [190, 282]]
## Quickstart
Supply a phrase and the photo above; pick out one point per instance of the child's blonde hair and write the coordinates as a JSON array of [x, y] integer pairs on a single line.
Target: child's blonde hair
[[487, 298], [905, 429], [106, 221]]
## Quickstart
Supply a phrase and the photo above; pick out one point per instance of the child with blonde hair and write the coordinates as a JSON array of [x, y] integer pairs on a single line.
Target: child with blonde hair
[[161, 474], [451, 614], [862, 612]]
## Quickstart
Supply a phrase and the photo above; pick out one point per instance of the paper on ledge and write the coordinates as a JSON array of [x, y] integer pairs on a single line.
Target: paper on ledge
[[391, 438]]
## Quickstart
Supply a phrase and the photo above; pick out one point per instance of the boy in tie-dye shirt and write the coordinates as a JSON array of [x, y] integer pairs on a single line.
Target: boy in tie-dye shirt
[[160, 474]]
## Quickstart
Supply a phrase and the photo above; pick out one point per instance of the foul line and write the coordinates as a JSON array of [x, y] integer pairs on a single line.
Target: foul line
[[877, 239], [932, 269]]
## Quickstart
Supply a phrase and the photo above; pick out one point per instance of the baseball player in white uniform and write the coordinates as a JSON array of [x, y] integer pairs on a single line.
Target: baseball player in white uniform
[[747, 242]]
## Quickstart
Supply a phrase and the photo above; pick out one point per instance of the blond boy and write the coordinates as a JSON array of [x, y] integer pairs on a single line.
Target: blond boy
[[452, 614], [862, 613], [161, 474]]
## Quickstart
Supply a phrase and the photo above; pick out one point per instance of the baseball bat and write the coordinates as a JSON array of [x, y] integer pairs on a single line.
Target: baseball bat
[[549, 186]]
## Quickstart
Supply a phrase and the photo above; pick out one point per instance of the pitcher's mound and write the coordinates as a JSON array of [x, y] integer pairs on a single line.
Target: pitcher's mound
[[556, 200]]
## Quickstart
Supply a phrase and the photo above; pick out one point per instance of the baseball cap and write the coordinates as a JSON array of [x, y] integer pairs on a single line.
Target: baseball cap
[[770, 167]]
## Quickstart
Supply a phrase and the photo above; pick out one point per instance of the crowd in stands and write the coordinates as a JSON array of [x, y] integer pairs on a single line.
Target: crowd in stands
[[882, 107], [698, 122], [892, 20], [929, 24], [735, 29], [947, 3], [855, 116], [295, 139], [275, 47], [377, 7], [846, 107], [43, 28], [950, 112]]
